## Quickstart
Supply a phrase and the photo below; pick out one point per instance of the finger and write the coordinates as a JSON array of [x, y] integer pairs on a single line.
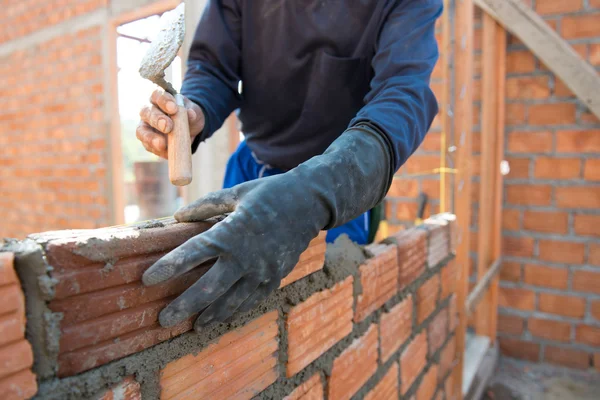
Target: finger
[[156, 118], [163, 100], [152, 140], [213, 204], [217, 281], [259, 295], [192, 253], [225, 306]]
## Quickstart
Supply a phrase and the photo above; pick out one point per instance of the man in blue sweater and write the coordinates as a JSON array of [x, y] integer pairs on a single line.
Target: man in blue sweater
[[335, 98]]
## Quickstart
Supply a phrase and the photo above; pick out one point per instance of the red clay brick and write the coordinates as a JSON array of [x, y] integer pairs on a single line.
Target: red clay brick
[[580, 26], [21, 385], [510, 219], [521, 61], [567, 306], [515, 114], [594, 256], [437, 331], [549, 222], [527, 87], [15, 357], [567, 357], [561, 252], [519, 168], [71, 363], [239, 364], [586, 281], [412, 361], [588, 225], [318, 323], [510, 324], [411, 255], [12, 327], [530, 142], [597, 361], [449, 279], [447, 357], [557, 168], [539, 195], [588, 334], [521, 299], [312, 389], [129, 389], [12, 298], [403, 188], [7, 271], [387, 388], [353, 368], [520, 349], [552, 114], [578, 197], [549, 329], [538, 275], [310, 261], [591, 170], [378, 278], [579, 141], [427, 297], [517, 246], [428, 384], [510, 271], [549, 7], [395, 327]]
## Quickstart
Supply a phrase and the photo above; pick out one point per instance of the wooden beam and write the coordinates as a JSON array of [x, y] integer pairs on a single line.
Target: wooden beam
[[498, 177], [446, 122], [475, 297], [549, 47], [488, 167], [463, 122]]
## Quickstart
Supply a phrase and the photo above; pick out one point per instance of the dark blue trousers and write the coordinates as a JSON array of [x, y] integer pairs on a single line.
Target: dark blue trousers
[[243, 166]]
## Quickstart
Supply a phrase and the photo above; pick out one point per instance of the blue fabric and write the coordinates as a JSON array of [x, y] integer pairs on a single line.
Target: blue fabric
[[243, 166], [311, 69]]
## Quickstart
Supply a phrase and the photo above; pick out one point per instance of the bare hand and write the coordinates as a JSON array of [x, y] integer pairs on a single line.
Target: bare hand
[[156, 122]]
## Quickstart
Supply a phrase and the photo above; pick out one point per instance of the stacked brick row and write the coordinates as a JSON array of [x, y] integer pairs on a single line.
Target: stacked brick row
[[16, 357], [549, 296], [106, 313], [385, 329]]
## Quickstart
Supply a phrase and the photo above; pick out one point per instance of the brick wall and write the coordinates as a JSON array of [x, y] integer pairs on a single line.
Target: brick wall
[[376, 322], [550, 285]]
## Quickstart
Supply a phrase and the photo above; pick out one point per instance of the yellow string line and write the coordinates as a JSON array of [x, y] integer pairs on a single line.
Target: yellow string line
[[435, 171]]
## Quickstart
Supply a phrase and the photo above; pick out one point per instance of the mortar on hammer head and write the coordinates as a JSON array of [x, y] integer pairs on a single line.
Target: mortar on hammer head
[[159, 56]]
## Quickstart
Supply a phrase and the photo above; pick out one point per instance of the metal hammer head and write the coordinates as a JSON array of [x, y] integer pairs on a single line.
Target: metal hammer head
[[164, 48]]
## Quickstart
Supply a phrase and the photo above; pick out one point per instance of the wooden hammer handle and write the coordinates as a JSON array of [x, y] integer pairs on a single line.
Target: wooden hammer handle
[[180, 146]]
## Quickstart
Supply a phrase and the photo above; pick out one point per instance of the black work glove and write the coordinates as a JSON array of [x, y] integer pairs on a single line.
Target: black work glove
[[271, 223]]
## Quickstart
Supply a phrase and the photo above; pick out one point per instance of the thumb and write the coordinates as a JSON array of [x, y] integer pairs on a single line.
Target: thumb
[[213, 204]]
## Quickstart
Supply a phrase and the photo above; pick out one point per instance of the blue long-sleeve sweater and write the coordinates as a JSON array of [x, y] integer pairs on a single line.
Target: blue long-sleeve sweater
[[312, 68]]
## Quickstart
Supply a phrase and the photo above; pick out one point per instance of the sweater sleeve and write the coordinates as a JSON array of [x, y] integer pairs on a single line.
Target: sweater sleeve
[[400, 103], [213, 73]]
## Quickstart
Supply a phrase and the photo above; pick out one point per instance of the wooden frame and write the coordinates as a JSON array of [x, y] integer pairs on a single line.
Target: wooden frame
[[116, 163]]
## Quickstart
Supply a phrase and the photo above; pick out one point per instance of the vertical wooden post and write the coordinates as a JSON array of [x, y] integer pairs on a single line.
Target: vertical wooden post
[[463, 121], [499, 177], [445, 176], [488, 165]]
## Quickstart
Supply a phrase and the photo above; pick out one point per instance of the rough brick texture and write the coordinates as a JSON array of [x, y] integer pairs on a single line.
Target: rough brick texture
[[16, 357], [378, 278], [240, 364], [352, 331], [354, 366]]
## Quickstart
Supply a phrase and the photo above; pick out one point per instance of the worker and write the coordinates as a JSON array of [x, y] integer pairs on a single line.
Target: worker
[[334, 98]]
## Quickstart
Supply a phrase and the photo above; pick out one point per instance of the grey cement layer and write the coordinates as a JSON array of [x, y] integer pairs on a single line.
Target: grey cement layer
[[342, 260]]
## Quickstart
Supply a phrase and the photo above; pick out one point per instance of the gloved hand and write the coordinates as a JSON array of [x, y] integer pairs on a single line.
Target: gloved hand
[[271, 223]]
